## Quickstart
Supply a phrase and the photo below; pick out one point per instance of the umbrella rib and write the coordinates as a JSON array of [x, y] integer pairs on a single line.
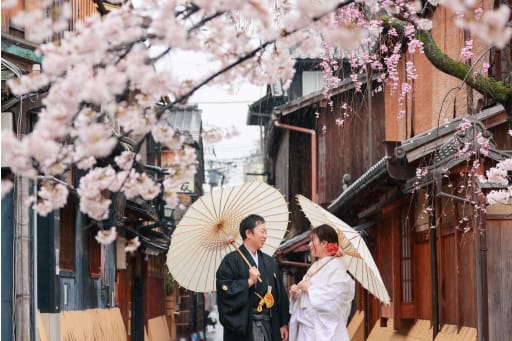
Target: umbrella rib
[[233, 202], [258, 197], [206, 208], [243, 204], [277, 201], [194, 271], [203, 273], [227, 202], [215, 213]]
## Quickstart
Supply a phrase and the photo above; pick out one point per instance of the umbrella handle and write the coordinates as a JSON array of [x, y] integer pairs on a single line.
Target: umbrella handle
[[244, 258]]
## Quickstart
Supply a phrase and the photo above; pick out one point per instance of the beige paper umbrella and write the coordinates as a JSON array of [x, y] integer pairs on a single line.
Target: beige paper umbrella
[[356, 256], [210, 229]]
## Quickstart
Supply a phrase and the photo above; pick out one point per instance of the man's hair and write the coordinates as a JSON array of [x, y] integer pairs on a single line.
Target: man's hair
[[325, 232], [249, 223]]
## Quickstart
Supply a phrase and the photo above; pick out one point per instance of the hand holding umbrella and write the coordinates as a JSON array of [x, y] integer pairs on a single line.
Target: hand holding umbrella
[[233, 243]]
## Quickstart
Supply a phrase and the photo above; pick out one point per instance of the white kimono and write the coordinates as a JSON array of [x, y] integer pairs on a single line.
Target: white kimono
[[321, 313]]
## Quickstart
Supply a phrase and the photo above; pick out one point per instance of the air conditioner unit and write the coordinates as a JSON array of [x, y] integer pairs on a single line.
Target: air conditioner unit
[[7, 124]]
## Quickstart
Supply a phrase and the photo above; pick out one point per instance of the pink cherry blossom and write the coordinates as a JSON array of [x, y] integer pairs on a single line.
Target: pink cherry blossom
[[132, 245], [484, 144], [96, 140], [106, 237], [125, 160], [7, 186], [467, 51], [50, 197], [87, 108]]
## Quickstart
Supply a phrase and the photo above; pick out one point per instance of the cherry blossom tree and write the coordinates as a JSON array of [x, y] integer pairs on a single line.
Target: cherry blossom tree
[[102, 86]]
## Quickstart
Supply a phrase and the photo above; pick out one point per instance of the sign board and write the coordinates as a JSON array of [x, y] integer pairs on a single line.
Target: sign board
[[187, 186]]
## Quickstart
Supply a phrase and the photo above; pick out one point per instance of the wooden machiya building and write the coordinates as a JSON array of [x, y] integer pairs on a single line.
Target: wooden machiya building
[[185, 309], [58, 283], [113, 293], [443, 262]]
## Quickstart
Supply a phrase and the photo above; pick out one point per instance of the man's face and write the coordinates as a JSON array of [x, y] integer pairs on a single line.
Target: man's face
[[257, 236]]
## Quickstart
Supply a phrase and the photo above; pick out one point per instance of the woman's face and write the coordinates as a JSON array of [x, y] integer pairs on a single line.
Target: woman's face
[[316, 247]]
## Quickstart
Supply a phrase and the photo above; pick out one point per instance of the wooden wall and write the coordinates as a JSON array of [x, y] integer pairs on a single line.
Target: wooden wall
[[154, 287], [9, 13], [499, 278], [436, 96], [456, 263], [76, 289], [81, 9], [7, 219], [299, 177], [340, 150], [281, 165], [422, 277], [345, 149]]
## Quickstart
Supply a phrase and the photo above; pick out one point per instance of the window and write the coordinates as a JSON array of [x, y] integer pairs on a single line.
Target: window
[[406, 260], [311, 82]]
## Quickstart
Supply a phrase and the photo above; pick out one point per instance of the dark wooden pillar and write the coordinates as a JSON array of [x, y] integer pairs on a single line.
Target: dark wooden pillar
[[138, 318]]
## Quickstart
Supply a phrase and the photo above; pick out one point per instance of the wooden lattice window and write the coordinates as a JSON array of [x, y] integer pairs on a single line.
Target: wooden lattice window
[[406, 263]]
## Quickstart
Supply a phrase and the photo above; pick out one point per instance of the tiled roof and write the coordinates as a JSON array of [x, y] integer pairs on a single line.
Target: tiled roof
[[186, 119], [364, 180]]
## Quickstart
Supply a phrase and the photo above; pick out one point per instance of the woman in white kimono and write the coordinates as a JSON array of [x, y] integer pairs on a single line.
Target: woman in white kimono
[[320, 303]]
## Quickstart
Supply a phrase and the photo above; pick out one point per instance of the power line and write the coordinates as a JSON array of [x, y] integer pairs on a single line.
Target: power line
[[223, 102]]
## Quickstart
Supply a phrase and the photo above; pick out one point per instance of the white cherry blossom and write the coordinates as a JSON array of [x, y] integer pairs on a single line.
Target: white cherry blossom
[[132, 245], [106, 237]]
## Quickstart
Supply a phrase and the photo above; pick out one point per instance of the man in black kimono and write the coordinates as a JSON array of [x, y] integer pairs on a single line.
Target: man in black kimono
[[252, 301]]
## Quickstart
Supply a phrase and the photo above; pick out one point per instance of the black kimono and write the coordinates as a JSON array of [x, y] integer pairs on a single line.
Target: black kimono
[[236, 300]]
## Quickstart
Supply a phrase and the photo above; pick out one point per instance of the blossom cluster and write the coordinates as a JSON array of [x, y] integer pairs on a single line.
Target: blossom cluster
[[103, 85], [500, 176]]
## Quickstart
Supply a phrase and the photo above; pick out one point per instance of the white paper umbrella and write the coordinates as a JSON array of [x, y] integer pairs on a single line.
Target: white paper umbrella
[[356, 256], [210, 229]]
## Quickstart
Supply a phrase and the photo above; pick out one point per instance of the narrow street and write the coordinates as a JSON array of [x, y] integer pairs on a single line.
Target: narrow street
[[214, 333]]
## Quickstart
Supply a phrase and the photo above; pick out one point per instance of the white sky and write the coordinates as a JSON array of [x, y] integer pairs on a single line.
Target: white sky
[[224, 108]]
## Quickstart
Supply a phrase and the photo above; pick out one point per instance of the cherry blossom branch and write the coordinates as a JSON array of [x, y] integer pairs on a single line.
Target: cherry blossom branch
[[498, 90], [239, 61], [205, 20]]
